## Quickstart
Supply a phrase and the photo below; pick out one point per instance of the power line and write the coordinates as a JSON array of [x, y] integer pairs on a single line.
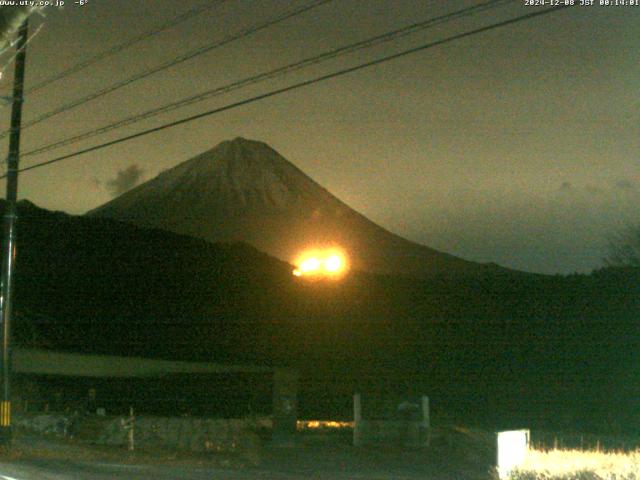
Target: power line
[[123, 46], [180, 59], [296, 86], [281, 71]]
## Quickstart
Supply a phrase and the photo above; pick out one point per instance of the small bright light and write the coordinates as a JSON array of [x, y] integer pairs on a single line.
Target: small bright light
[[297, 272], [322, 424]]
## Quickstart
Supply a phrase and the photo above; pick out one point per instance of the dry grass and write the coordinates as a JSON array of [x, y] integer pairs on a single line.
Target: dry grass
[[579, 465]]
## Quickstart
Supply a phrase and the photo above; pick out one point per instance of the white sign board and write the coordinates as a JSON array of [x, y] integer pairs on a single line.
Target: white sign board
[[513, 446]]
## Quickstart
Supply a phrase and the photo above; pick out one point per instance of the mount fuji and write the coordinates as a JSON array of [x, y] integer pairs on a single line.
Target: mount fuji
[[243, 190]]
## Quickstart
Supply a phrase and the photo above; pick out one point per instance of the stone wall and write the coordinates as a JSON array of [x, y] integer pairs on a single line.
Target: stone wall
[[186, 433], [174, 433], [57, 424], [387, 432]]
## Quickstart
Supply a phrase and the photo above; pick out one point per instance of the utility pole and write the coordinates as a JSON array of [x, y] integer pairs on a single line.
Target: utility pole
[[9, 240], [11, 18]]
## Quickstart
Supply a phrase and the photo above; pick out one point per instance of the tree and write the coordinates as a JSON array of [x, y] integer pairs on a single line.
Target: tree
[[624, 248]]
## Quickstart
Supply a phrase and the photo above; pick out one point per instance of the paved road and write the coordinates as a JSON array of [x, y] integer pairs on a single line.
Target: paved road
[[68, 470], [45, 460], [48, 469]]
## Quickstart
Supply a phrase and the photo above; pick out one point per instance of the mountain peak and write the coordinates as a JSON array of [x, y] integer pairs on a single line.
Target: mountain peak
[[243, 174], [241, 147], [245, 141], [243, 190], [232, 153]]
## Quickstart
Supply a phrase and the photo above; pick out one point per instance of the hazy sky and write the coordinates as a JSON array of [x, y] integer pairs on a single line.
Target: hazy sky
[[519, 145]]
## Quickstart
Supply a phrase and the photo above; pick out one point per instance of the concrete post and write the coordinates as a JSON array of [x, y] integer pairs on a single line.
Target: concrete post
[[426, 422], [10, 237], [357, 419], [131, 435], [426, 418], [285, 405]]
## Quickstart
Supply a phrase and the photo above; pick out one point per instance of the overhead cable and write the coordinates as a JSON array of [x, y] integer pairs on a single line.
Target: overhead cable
[[123, 46], [281, 71], [182, 58], [296, 86]]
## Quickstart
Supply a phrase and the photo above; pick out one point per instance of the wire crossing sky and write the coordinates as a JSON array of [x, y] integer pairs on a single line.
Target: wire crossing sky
[[367, 43], [518, 145], [169, 64], [291, 87], [78, 67]]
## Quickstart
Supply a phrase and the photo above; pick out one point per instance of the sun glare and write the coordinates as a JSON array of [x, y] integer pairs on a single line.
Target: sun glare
[[333, 263], [310, 265], [321, 263]]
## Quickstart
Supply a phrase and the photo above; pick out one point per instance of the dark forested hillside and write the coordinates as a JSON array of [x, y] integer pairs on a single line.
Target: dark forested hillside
[[511, 346]]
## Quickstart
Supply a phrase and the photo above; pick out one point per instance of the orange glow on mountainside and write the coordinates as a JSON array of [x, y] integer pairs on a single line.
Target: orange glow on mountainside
[[321, 263]]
